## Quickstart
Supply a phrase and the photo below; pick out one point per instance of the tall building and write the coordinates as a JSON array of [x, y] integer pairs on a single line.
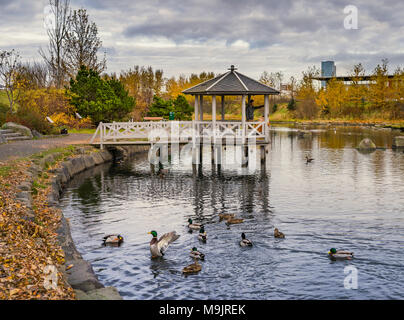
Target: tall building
[[328, 69]]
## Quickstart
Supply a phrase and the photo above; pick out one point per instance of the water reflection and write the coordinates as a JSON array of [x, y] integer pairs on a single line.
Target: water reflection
[[343, 199]]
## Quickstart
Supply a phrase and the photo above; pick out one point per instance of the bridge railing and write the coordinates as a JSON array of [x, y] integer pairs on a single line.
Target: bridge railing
[[110, 133]]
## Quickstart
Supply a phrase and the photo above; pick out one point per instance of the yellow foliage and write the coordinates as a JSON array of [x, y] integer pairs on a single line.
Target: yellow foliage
[[46, 101]]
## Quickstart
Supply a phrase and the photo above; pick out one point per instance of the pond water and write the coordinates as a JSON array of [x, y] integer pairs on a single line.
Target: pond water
[[344, 199]]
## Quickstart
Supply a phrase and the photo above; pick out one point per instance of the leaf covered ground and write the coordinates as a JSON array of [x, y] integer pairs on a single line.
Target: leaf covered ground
[[28, 246]]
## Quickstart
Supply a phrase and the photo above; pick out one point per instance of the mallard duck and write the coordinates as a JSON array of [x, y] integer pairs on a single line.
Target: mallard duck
[[278, 234], [202, 234], [192, 268], [196, 254], [335, 254], [226, 216], [244, 241], [193, 226], [159, 247], [234, 221], [113, 239], [308, 159]]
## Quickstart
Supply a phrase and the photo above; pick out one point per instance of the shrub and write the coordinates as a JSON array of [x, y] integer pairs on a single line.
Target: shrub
[[292, 105], [3, 111], [46, 101], [162, 108], [274, 108], [32, 120]]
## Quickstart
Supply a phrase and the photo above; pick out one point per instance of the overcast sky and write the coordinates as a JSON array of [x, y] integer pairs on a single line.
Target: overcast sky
[[182, 37]]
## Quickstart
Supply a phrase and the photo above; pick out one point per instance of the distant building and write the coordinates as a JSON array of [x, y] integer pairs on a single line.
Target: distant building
[[328, 69]]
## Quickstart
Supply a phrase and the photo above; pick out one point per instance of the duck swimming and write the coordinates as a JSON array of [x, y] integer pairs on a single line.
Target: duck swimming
[[113, 239], [234, 221], [278, 234], [225, 216], [309, 160], [335, 254], [192, 268], [159, 247], [193, 226], [196, 254], [244, 241], [202, 236]]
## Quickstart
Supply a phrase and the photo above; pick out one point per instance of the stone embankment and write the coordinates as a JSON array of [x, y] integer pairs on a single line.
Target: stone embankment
[[78, 272]]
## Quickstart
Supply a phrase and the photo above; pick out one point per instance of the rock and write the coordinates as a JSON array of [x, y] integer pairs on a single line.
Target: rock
[[2, 139], [36, 134], [398, 142], [89, 161], [25, 186], [47, 160], [108, 293], [18, 128], [367, 145], [82, 276], [97, 158], [106, 155], [78, 165]]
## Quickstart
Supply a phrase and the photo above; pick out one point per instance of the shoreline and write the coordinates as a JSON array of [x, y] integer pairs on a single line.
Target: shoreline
[[361, 123], [43, 178]]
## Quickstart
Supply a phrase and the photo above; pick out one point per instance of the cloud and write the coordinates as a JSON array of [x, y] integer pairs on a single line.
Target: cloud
[[192, 36]]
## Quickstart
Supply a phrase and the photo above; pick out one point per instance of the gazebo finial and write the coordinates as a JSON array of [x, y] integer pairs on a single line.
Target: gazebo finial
[[232, 68]]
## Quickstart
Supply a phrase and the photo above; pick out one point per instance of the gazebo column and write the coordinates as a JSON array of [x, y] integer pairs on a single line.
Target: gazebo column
[[201, 107], [223, 108], [266, 117], [244, 147], [213, 128], [196, 108]]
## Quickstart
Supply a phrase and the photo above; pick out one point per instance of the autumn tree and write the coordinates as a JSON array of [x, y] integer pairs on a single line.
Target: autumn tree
[[35, 75], [378, 88], [142, 83], [10, 75], [82, 44], [306, 94]]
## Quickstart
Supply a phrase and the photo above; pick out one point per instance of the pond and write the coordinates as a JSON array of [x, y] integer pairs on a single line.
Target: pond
[[343, 199]]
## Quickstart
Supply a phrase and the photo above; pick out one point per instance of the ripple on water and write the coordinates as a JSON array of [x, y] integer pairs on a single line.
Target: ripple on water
[[344, 199]]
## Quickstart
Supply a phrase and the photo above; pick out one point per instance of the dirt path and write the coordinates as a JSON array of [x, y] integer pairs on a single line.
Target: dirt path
[[26, 148]]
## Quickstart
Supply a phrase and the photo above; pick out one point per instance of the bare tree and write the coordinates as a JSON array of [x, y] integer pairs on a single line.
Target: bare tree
[[58, 26], [35, 74], [10, 67], [82, 44]]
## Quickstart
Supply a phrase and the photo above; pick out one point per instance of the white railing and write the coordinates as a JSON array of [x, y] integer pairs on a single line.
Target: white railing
[[179, 131]]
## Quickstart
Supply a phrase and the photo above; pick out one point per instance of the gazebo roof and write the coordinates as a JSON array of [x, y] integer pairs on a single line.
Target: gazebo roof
[[231, 83]]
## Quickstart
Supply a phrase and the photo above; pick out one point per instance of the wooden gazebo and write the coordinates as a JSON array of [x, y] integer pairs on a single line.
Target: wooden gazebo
[[231, 83]]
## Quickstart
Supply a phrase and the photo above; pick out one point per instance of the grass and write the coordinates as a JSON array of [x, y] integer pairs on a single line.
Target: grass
[[5, 170], [62, 151], [82, 131]]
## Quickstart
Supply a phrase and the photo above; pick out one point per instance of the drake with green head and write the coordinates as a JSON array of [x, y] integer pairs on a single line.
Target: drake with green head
[[192, 225], [244, 241], [202, 236], [159, 246], [335, 254], [197, 254]]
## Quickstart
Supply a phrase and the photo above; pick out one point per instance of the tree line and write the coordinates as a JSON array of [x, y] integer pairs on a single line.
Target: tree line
[[70, 85]]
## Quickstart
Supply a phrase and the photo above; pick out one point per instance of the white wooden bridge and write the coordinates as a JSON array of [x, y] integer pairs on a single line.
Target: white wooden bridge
[[149, 133]]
